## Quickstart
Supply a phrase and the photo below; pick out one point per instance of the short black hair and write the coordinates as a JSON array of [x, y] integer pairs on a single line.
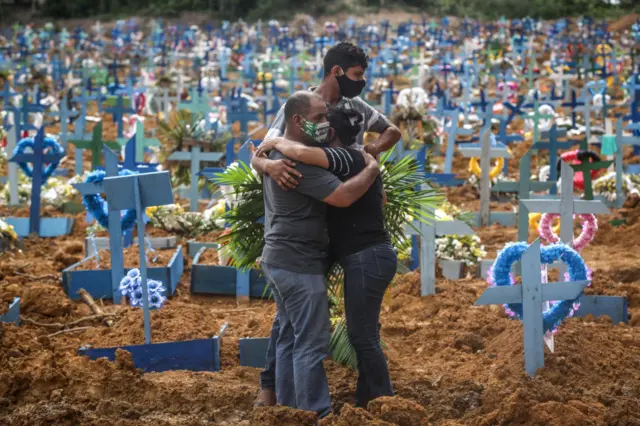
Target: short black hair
[[346, 55], [346, 123], [298, 103]]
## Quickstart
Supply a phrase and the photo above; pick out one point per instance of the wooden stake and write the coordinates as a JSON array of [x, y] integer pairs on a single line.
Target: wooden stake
[[485, 180], [86, 297]]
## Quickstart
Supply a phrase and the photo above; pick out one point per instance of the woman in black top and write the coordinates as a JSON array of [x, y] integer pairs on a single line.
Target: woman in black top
[[361, 245]]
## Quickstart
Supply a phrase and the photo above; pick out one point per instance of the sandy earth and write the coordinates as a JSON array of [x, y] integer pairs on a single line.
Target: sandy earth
[[451, 363]]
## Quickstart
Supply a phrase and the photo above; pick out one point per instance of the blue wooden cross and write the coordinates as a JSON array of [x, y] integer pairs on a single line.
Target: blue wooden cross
[[532, 294], [22, 122], [65, 115], [130, 162], [139, 192], [115, 228], [506, 119], [523, 187], [37, 158], [633, 86], [195, 156], [223, 62], [238, 110], [452, 134], [574, 105], [553, 144], [621, 142], [141, 141], [7, 95], [118, 111]]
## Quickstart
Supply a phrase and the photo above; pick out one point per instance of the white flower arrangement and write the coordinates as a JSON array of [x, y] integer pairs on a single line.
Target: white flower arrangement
[[474, 180], [172, 218], [606, 186], [465, 248], [8, 234], [55, 192]]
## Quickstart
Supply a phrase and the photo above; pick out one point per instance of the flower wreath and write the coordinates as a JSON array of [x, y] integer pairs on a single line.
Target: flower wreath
[[94, 203], [500, 275], [589, 228], [49, 143]]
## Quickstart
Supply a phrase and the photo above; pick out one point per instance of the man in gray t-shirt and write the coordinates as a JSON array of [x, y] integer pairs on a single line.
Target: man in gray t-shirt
[[295, 223], [295, 255]]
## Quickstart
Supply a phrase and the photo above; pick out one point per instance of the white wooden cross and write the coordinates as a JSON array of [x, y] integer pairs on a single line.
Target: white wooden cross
[[566, 206], [532, 294], [14, 200], [621, 142], [427, 233], [486, 152]]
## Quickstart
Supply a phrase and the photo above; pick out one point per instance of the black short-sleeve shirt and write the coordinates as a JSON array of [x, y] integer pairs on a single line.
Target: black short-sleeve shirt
[[361, 225]]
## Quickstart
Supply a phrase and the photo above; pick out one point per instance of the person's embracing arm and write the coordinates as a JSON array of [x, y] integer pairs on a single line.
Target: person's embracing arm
[[282, 171], [296, 151], [325, 186], [378, 123]]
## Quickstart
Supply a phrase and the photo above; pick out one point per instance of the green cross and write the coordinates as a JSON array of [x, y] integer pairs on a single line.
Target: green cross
[[141, 141], [585, 167], [95, 145]]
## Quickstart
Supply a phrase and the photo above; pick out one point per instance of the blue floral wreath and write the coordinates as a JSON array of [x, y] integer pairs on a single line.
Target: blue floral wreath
[[500, 275], [49, 143], [94, 203]]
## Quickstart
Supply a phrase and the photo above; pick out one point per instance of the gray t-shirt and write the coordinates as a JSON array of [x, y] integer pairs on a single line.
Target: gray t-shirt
[[372, 121], [295, 228]]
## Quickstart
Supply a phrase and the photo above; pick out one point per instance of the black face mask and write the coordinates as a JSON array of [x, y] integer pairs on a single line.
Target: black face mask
[[350, 88]]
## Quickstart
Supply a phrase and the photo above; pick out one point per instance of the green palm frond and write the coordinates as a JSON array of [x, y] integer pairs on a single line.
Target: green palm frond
[[182, 126], [406, 198], [341, 349], [246, 237]]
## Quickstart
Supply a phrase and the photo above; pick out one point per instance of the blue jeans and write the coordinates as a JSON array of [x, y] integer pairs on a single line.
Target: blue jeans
[[367, 275], [302, 339]]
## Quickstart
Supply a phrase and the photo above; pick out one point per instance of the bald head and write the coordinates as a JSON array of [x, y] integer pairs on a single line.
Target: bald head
[[300, 107], [300, 103]]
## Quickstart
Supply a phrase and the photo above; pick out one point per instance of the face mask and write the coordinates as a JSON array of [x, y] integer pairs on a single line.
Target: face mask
[[316, 131], [350, 88]]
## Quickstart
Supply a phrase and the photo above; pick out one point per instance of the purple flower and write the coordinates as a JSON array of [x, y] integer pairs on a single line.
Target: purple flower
[[156, 300], [126, 285], [134, 274], [155, 286]]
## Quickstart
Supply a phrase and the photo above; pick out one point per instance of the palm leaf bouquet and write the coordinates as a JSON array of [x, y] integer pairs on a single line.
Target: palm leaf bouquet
[[184, 126], [408, 202]]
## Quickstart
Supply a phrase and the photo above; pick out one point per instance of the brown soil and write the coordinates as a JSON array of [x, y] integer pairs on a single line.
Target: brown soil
[[131, 259], [451, 363], [209, 257]]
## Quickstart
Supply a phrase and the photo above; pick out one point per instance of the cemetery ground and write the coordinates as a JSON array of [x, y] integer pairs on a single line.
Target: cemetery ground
[[450, 362]]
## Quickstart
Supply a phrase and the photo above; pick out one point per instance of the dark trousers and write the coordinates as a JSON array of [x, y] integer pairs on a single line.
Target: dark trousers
[[367, 275], [303, 339]]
